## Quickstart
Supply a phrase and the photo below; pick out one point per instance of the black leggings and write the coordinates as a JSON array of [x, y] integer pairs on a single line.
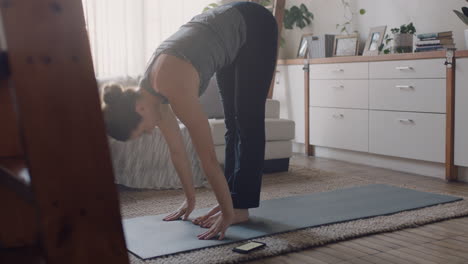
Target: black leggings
[[244, 87]]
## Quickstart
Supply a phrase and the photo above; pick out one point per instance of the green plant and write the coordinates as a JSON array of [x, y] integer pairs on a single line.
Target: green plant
[[404, 29], [299, 16], [386, 48], [210, 6], [463, 15], [348, 15]]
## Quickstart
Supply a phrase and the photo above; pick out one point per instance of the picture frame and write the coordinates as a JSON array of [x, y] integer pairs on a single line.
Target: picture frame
[[374, 40], [346, 45], [303, 49]]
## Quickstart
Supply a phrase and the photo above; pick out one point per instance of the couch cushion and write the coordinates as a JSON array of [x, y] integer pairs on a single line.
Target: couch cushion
[[276, 130], [211, 103], [272, 108], [273, 150], [210, 100]]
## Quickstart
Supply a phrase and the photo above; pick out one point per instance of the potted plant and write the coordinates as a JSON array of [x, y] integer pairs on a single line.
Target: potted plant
[[463, 15], [403, 38]]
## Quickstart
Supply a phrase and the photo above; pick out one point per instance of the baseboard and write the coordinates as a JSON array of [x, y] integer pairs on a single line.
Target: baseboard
[[463, 174], [431, 169], [298, 147], [276, 165]]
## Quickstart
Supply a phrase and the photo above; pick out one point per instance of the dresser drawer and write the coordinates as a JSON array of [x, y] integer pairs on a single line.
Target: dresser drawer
[[339, 128], [433, 68], [339, 93], [418, 136], [334, 71], [416, 95]]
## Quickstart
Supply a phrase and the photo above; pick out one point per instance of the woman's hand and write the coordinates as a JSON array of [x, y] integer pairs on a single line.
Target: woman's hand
[[184, 210], [219, 227]]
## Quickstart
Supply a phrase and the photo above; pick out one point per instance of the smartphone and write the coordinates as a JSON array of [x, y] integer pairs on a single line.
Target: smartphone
[[249, 247]]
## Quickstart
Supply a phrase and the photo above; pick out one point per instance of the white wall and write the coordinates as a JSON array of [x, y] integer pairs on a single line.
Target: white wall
[[427, 15]]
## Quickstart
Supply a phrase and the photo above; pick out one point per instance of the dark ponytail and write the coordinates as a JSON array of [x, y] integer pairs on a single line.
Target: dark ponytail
[[119, 111]]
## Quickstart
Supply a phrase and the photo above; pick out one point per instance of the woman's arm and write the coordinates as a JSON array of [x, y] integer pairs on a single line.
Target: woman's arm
[[179, 82], [170, 129], [190, 113]]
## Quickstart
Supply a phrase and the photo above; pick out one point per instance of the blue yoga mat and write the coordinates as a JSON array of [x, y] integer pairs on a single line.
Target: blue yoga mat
[[149, 237]]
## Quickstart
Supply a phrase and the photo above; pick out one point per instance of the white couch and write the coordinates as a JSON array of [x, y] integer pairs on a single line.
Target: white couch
[[145, 162], [278, 132]]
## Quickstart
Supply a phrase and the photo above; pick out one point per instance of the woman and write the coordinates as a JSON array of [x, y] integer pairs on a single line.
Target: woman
[[238, 42]]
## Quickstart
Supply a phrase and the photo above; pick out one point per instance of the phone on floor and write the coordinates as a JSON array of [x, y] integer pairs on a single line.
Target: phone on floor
[[249, 247]]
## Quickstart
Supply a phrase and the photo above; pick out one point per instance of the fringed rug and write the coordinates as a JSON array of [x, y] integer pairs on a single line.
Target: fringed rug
[[295, 182]]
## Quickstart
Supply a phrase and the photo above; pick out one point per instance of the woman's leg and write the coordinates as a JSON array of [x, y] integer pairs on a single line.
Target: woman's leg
[[244, 88], [226, 84], [254, 69]]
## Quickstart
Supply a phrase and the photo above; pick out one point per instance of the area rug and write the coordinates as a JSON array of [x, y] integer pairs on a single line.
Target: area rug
[[295, 182]]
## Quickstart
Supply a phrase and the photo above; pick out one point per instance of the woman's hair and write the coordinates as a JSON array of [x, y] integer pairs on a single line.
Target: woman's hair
[[119, 111]]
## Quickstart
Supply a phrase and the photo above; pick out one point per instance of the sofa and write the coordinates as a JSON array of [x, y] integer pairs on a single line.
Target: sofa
[[155, 170]]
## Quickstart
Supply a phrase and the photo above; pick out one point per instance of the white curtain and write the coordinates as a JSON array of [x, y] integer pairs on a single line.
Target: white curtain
[[124, 33]]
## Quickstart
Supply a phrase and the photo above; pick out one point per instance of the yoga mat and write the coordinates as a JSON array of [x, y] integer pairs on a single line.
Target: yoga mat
[[149, 237]]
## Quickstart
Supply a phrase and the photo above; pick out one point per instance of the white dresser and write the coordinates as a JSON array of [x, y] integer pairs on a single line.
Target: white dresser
[[393, 108]]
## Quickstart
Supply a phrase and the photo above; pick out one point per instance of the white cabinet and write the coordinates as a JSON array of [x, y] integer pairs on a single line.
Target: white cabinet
[[461, 113], [391, 108], [339, 115], [339, 93], [408, 135], [339, 128], [289, 91], [433, 68], [339, 71], [418, 95]]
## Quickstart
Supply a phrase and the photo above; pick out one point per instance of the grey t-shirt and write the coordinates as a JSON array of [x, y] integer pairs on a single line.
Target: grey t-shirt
[[209, 41]]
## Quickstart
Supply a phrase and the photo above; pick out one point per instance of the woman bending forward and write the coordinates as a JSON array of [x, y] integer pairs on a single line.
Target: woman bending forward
[[238, 43]]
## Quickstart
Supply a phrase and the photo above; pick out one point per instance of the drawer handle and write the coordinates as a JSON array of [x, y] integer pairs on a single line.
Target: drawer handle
[[406, 121], [338, 70], [338, 87], [405, 87], [339, 116], [403, 68]]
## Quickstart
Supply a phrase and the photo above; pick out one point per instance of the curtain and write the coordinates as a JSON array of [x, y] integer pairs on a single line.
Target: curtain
[[123, 34]]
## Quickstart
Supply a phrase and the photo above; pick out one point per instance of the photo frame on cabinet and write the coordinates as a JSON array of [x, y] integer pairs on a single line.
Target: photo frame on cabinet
[[374, 41], [346, 45], [303, 50]]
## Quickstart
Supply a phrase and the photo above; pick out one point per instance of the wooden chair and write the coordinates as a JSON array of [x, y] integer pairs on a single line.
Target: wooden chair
[[51, 130]]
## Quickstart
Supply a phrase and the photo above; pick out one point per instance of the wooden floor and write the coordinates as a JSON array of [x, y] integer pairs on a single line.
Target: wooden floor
[[444, 242]]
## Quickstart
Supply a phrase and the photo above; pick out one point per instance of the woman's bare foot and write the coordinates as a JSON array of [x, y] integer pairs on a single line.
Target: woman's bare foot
[[240, 216]]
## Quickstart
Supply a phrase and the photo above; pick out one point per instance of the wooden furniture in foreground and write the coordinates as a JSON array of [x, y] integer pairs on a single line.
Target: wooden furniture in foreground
[[69, 211]]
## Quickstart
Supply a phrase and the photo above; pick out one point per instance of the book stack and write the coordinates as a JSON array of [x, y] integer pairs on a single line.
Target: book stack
[[434, 41]]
